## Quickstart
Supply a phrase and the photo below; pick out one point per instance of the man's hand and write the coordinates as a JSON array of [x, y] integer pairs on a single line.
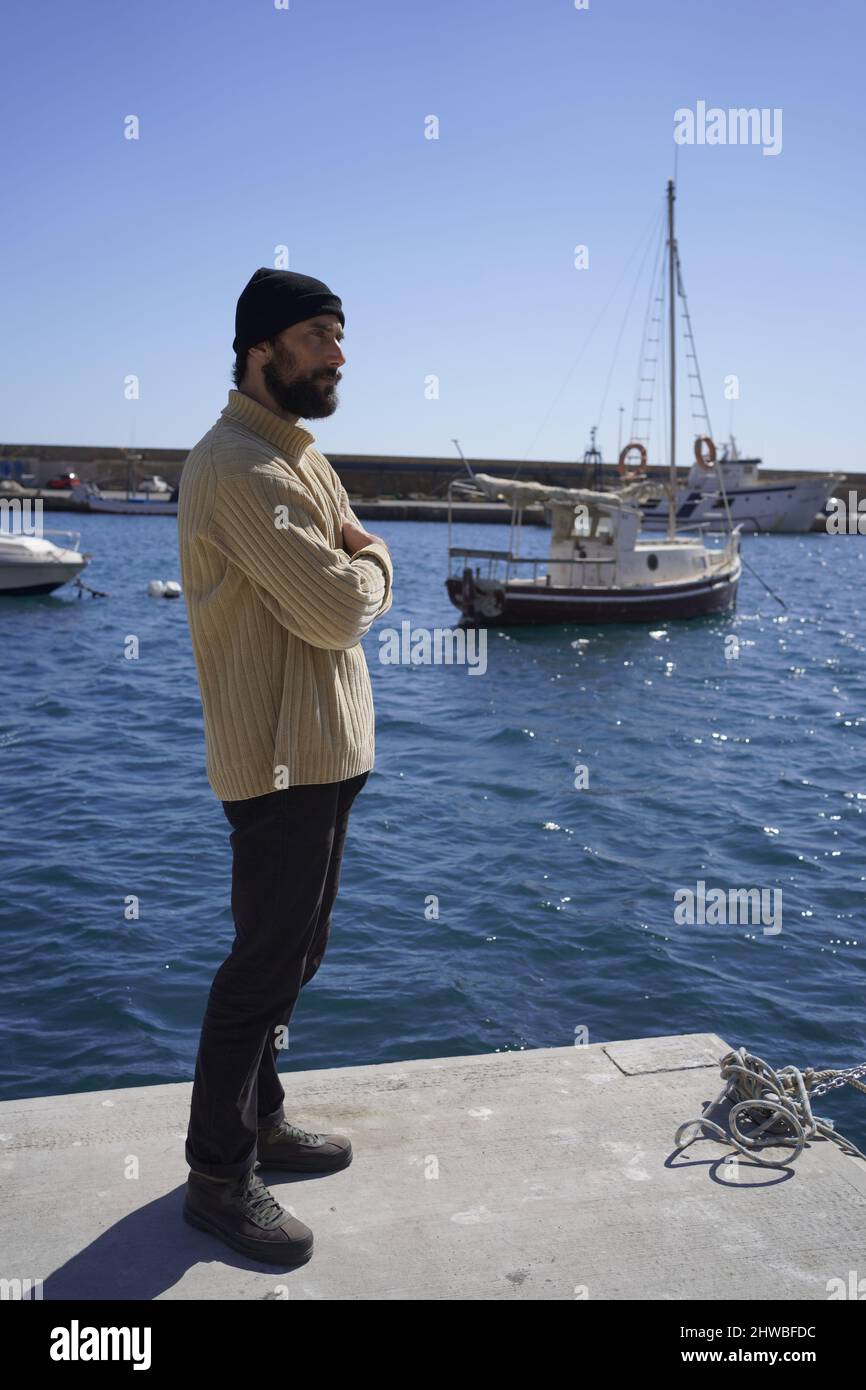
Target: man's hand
[[355, 539]]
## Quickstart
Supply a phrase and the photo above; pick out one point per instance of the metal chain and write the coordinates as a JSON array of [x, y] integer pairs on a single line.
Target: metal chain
[[840, 1078], [776, 1103]]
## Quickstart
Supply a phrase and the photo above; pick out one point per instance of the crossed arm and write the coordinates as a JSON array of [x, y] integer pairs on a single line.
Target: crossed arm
[[329, 599]]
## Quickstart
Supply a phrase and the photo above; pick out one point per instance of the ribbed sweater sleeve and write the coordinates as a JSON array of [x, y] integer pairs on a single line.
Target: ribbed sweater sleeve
[[262, 525], [346, 510]]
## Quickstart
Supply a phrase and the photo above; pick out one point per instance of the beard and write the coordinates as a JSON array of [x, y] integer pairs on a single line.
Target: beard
[[311, 397]]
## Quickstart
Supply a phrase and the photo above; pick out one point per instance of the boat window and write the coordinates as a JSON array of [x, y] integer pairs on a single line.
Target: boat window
[[652, 562], [589, 523]]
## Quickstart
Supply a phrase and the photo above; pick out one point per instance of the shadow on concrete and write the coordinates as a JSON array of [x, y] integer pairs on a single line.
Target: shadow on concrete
[[718, 1114], [148, 1252]]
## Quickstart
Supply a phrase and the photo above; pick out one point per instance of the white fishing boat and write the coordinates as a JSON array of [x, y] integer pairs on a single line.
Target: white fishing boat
[[597, 570], [94, 500], [788, 504], [34, 565]]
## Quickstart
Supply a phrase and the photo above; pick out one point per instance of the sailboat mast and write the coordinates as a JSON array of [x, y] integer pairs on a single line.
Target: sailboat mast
[[672, 357]]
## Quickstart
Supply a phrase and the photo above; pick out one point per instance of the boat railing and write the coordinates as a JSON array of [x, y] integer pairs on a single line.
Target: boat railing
[[74, 535], [494, 559], [541, 565]]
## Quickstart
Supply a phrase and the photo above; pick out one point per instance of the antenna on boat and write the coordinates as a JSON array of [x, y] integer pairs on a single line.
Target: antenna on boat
[[593, 469], [456, 443]]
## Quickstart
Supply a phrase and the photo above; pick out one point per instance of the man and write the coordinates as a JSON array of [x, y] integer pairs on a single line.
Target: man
[[281, 583]]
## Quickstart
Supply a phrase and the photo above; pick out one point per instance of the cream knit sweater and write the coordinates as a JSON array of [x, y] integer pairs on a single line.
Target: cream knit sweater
[[276, 606]]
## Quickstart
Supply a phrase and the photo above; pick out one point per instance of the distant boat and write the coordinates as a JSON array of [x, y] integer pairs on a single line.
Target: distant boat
[[757, 504], [34, 565], [597, 571], [163, 504], [156, 485]]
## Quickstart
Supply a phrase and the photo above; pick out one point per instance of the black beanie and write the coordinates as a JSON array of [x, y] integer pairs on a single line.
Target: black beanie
[[275, 299]]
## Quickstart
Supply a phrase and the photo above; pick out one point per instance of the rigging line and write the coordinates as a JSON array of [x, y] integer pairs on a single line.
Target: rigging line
[[623, 324], [655, 314], [693, 351], [586, 343], [753, 571], [656, 285], [720, 478]]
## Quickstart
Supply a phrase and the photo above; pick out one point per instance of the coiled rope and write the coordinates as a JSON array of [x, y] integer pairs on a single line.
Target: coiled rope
[[777, 1103]]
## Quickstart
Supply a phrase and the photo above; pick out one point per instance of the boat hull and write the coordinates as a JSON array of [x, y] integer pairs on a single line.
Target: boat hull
[[788, 507], [25, 580], [121, 507], [489, 604]]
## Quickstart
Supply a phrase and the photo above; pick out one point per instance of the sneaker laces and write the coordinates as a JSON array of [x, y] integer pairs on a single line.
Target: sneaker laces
[[298, 1135], [260, 1202]]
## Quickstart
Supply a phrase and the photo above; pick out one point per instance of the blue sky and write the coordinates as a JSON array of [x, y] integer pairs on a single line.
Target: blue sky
[[454, 258]]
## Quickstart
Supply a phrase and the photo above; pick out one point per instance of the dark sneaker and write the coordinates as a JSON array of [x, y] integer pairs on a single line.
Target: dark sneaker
[[287, 1146], [244, 1214]]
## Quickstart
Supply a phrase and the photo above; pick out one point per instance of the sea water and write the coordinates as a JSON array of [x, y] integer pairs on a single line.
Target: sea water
[[518, 867]]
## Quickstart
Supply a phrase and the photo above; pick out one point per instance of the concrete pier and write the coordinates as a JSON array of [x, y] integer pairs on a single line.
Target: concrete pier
[[548, 1174]]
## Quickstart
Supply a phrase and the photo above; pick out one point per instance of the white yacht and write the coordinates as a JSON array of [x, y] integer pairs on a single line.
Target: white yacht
[[756, 504], [34, 565]]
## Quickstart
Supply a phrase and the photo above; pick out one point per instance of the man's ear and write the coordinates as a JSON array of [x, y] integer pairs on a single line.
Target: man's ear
[[260, 353]]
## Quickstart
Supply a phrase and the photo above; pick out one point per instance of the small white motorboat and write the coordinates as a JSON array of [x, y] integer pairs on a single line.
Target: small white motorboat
[[34, 565]]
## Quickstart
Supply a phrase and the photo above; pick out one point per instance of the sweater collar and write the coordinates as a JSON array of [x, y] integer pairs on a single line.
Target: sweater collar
[[287, 435]]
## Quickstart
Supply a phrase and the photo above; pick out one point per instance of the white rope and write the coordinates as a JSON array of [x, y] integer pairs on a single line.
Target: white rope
[[777, 1104]]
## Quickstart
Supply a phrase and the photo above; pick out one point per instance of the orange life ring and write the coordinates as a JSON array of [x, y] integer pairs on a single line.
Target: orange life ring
[[629, 473], [708, 461]]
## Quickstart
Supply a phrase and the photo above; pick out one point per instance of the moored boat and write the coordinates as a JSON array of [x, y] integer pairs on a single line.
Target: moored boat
[[597, 571], [34, 565], [154, 504], [788, 504]]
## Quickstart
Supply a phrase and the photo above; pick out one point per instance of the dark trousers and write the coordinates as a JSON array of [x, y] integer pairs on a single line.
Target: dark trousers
[[287, 848]]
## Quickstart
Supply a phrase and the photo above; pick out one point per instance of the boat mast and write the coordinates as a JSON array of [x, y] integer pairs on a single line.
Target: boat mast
[[672, 317]]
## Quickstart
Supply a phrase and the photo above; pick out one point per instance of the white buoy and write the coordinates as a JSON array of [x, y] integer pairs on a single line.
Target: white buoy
[[156, 588], [172, 589]]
